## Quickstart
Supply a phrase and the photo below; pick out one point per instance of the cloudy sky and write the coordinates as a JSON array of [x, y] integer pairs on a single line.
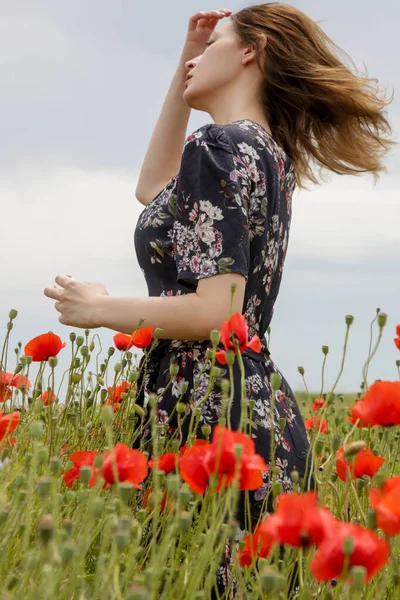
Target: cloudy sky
[[82, 83]]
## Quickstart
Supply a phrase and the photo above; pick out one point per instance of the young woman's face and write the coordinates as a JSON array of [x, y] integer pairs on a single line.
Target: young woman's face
[[216, 68]]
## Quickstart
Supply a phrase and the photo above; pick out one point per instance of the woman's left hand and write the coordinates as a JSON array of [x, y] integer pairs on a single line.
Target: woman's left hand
[[76, 301]]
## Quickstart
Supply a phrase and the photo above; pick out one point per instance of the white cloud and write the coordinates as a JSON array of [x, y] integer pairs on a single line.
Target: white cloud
[[346, 220]]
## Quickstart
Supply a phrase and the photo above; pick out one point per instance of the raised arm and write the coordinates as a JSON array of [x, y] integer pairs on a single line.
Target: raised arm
[[163, 157]]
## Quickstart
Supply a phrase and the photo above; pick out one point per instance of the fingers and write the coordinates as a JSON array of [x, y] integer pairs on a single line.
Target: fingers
[[211, 14]]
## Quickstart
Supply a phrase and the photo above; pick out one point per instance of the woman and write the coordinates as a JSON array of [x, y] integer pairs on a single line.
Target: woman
[[219, 212]]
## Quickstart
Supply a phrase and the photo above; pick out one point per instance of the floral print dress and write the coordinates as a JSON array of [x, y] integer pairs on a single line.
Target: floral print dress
[[228, 210]]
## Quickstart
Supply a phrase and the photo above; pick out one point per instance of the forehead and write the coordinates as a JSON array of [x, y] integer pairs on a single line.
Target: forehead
[[222, 31]]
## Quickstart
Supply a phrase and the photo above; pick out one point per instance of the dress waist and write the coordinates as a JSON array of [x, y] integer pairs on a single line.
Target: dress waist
[[165, 346]]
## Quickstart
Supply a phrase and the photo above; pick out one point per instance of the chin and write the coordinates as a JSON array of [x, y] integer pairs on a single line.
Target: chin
[[192, 101]]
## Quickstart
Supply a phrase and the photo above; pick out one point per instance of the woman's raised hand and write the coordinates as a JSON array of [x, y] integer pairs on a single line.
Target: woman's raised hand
[[201, 25]]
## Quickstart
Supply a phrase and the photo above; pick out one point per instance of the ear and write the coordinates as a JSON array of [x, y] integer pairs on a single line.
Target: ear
[[250, 52]]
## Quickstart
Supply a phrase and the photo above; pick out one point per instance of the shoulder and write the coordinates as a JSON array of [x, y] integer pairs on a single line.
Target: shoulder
[[206, 135]]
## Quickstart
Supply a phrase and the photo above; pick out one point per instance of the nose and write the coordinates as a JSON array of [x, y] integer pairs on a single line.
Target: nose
[[189, 64]]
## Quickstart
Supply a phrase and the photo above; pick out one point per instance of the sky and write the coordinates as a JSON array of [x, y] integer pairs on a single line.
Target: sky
[[82, 84]]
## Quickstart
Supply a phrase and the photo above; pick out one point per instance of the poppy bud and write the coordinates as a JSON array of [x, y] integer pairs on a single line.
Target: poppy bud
[[353, 448], [215, 337], [360, 486], [139, 410], [69, 496], [295, 476], [206, 430], [9, 326], [92, 346], [358, 574], [96, 506], [275, 381], [110, 351], [53, 361], [141, 515], [36, 429], [225, 385], [81, 432], [43, 455], [173, 369], [117, 367], [215, 372], [180, 407], [173, 482], [268, 579], [106, 414], [349, 319], [230, 357], [125, 491], [76, 377], [277, 489], [336, 443], [209, 353], [133, 376], [46, 528], [124, 523], [152, 400], [121, 539], [300, 370], [185, 520], [85, 474], [348, 546], [397, 363], [44, 486], [185, 494], [325, 350], [382, 318], [84, 351], [67, 551], [238, 450], [12, 314]]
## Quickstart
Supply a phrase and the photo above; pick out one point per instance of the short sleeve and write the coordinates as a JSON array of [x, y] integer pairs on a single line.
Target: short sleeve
[[211, 229]]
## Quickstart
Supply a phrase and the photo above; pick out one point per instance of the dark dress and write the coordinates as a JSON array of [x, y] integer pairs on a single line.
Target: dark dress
[[228, 210]]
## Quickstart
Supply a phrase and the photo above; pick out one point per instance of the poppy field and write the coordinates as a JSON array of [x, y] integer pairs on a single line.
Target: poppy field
[[87, 512]]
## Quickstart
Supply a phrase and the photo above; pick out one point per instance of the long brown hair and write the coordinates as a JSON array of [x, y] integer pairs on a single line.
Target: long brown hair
[[318, 110]]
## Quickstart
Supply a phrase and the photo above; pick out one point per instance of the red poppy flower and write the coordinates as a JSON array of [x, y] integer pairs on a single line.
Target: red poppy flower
[[48, 398], [166, 462], [8, 380], [202, 460], [379, 406], [254, 547], [369, 551], [192, 466], [80, 459], [114, 394], [236, 326], [131, 465], [397, 339], [386, 503], [8, 424], [298, 521], [140, 338], [364, 463], [317, 404], [316, 422], [44, 346]]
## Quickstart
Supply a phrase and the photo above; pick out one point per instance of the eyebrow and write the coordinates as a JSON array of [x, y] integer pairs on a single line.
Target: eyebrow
[[213, 33]]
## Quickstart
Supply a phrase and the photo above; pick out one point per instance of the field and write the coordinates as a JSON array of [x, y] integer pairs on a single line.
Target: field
[[86, 511]]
